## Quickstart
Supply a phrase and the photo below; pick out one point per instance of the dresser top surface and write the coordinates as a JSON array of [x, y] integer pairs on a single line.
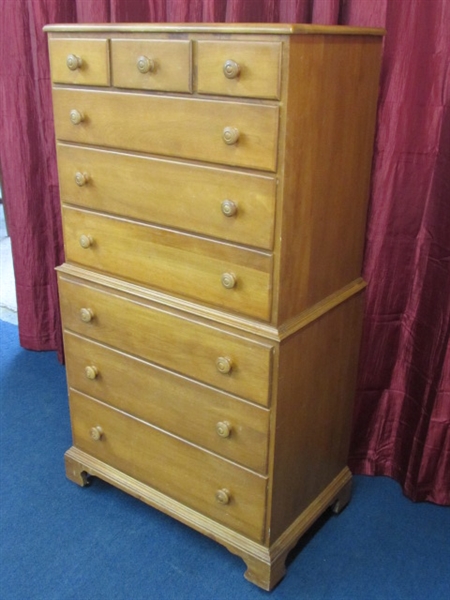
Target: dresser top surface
[[224, 28]]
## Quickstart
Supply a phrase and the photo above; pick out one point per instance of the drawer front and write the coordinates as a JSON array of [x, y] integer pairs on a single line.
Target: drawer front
[[163, 65], [198, 413], [222, 203], [180, 470], [170, 126], [179, 263], [248, 69], [79, 61], [179, 343]]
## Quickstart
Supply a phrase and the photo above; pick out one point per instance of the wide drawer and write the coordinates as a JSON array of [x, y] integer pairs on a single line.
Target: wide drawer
[[215, 487], [234, 363], [162, 65], [248, 69], [213, 272], [223, 203], [170, 126], [79, 61], [203, 415]]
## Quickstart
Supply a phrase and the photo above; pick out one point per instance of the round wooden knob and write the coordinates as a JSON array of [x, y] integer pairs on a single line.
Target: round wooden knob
[[81, 178], [91, 371], [229, 208], [86, 315], [145, 65], [231, 69], [228, 280], [76, 116], [224, 364], [96, 433], [223, 429], [86, 241], [230, 135], [223, 496], [73, 62]]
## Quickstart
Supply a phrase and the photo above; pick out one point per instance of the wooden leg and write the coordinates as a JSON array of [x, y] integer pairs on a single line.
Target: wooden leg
[[76, 472], [265, 575], [342, 499], [266, 566]]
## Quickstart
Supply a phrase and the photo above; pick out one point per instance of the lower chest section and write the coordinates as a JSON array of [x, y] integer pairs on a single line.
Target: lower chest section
[[173, 402]]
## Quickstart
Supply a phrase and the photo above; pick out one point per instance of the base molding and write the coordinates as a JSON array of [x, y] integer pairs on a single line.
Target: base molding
[[265, 564]]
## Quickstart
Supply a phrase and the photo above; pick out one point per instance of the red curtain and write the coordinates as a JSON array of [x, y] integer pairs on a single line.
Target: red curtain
[[402, 412], [402, 416]]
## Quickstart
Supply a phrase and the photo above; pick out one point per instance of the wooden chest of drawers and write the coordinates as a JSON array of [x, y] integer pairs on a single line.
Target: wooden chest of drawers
[[214, 183]]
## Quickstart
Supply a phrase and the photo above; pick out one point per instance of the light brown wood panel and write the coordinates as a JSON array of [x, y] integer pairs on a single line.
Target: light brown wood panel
[[183, 264], [176, 342], [182, 195], [329, 140], [170, 126], [180, 470], [169, 401], [170, 71], [258, 62], [315, 395], [94, 55]]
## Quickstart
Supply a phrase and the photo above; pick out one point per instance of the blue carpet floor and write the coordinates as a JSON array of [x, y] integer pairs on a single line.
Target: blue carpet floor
[[62, 542]]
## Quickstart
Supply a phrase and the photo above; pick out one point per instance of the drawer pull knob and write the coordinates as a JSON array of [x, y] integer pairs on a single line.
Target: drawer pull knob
[[223, 429], [86, 315], [228, 280], [223, 496], [224, 364], [231, 69], [76, 116], [91, 372], [229, 208], [145, 64], [81, 178], [86, 241], [96, 433], [73, 62], [230, 135]]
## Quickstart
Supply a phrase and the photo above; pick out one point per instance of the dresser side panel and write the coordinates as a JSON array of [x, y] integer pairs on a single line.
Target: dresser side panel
[[315, 395], [331, 111]]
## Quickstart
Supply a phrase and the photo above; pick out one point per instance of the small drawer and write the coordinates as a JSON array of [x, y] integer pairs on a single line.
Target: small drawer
[[215, 487], [198, 413], [234, 363], [79, 61], [221, 203], [162, 65], [247, 69], [232, 133], [211, 272]]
